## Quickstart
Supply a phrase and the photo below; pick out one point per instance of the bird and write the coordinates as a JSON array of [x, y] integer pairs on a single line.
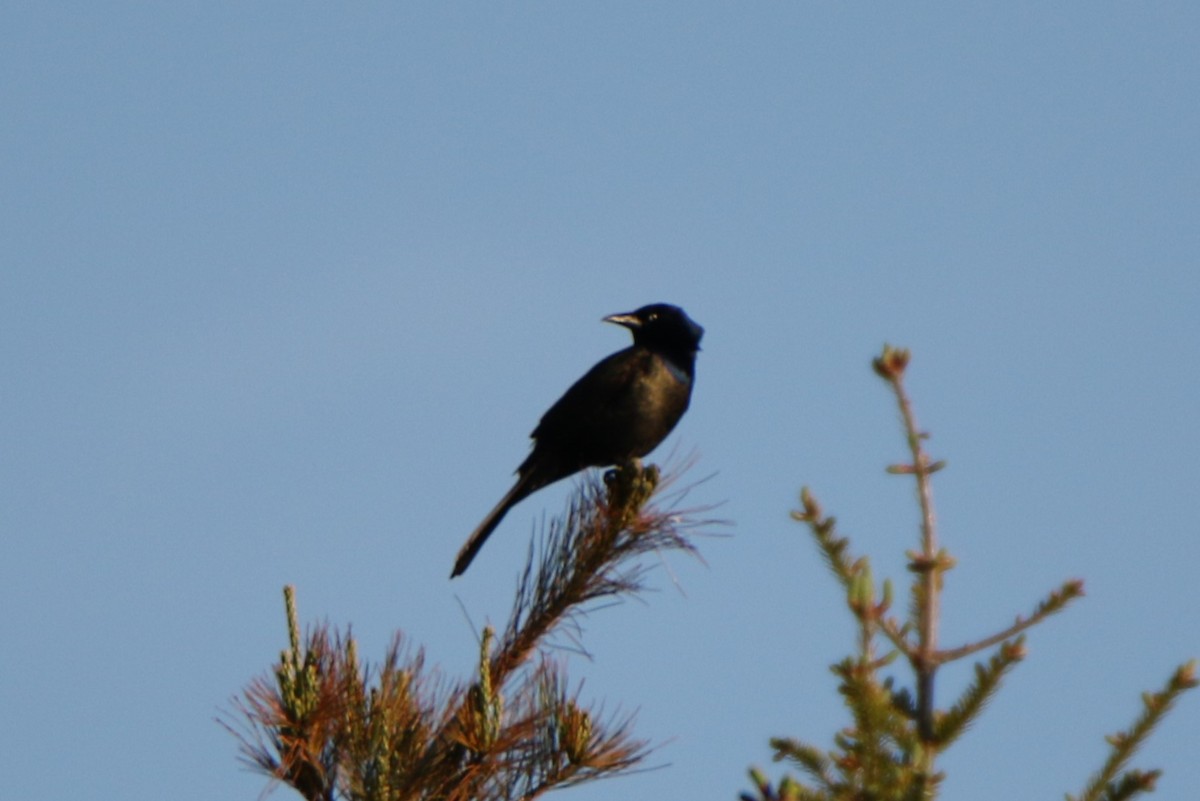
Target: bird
[[618, 412]]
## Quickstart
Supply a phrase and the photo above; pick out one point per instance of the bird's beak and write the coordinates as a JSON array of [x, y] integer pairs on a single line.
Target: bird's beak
[[629, 320]]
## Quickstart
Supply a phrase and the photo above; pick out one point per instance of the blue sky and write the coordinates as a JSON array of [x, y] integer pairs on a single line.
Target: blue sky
[[285, 287]]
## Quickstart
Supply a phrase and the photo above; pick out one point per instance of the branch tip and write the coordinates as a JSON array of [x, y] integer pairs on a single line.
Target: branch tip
[[890, 365]]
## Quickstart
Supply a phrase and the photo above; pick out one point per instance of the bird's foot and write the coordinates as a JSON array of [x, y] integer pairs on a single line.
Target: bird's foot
[[629, 487]]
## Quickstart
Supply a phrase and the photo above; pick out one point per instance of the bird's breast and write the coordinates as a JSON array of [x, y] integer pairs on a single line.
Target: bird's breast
[[657, 396]]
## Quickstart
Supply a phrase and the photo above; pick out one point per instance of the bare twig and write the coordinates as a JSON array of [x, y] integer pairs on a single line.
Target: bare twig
[[929, 564]]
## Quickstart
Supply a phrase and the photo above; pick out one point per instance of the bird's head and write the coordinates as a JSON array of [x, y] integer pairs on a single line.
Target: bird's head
[[661, 326]]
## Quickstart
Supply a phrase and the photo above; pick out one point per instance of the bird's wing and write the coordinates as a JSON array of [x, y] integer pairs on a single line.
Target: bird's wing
[[595, 395]]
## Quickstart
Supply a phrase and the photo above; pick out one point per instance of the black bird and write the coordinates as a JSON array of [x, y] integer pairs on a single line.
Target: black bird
[[619, 411]]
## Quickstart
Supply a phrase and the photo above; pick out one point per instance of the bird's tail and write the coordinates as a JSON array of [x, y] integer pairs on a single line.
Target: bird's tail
[[519, 491]]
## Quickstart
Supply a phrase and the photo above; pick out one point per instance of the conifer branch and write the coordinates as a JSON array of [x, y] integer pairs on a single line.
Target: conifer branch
[[809, 758], [1104, 785], [889, 751], [591, 553], [849, 571], [789, 790], [289, 726], [959, 717], [333, 729], [876, 752], [833, 548], [931, 563], [1055, 602]]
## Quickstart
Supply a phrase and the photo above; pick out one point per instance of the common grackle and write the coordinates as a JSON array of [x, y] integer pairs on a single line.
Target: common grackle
[[619, 411]]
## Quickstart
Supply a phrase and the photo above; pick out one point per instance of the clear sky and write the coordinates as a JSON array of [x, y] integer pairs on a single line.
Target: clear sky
[[285, 286]]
